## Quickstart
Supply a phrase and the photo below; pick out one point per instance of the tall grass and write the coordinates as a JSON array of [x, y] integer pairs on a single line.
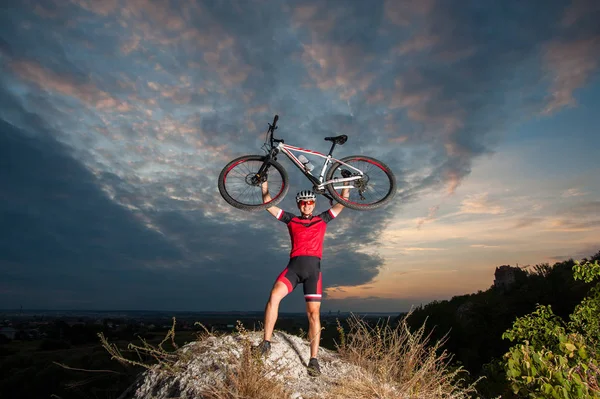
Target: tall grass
[[397, 363], [249, 378], [393, 363]]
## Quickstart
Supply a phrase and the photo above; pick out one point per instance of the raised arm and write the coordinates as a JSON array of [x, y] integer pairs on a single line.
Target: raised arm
[[337, 208], [273, 210]]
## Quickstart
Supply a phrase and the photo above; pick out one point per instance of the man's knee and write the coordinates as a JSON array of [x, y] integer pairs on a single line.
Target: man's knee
[[314, 315], [274, 299], [279, 291]]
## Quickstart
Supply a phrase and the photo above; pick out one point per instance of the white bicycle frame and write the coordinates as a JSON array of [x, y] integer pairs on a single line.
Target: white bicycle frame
[[289, 150]]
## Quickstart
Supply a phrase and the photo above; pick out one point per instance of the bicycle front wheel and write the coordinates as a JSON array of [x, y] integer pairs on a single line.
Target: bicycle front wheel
[[239, 187], [375, 188]]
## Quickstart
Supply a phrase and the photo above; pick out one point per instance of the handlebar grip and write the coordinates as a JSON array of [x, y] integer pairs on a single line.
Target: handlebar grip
[[275, 119]]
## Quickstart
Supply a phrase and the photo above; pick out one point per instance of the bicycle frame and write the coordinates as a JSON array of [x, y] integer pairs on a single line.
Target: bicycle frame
[[278, 145], [318, 182], [333, 180]]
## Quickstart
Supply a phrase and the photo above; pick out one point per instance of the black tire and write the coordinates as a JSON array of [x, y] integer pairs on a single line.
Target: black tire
[[236, 189], [379, 183]]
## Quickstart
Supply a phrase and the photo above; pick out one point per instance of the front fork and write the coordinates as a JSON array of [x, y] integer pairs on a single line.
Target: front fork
[[263, 172], [262, 175]]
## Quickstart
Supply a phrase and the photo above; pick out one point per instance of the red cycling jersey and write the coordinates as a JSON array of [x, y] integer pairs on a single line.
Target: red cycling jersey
[[307, 234]]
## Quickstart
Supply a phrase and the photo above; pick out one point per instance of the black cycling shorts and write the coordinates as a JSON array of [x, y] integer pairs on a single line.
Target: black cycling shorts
[[305, 270]]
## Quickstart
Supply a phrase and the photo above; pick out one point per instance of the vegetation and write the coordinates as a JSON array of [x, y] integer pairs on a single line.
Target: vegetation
[[397, 362], [392, 360], [71, 363], [554, 358], [249, 378], [158, 354], [474, 323], [538, 337]]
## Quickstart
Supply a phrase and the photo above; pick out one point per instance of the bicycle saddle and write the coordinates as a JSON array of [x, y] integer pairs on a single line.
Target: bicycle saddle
[[338, 139]]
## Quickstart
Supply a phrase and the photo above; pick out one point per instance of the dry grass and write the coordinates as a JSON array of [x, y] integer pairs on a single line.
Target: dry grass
[[147, 354], [394, 363], [397, 363], [250, 378]]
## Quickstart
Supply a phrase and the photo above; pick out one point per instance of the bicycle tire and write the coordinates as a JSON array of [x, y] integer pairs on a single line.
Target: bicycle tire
[[389, 184], [231, 196]]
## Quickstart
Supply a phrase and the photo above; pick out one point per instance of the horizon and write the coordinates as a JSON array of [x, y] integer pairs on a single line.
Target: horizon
[[259, 312], [117, 117]]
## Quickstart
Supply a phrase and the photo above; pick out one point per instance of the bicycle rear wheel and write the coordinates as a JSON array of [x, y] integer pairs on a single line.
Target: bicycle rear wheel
[[376, 188], [238, 185]]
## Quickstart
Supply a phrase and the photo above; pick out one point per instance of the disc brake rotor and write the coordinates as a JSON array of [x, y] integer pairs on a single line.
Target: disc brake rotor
[[252, 179]]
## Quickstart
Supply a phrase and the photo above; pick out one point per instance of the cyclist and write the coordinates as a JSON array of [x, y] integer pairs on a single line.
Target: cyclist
[[307, 233]]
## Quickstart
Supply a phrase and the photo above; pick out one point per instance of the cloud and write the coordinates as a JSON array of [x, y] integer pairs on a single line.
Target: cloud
[[411, 249], [572, 192], [430, 216], [147, 101], [580, 12], [577, 217], [570, 63], [584, 209], [480, 204], [524, 222], [572, 225], [84, 245], [572, 58], [86, 92], [103, 7], [417, 43], [131, 241], [403, 13], [436, 105]]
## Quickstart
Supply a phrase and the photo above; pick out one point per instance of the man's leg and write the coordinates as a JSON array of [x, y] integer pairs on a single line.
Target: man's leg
[[279, 291], [313, 310], [313, 290]]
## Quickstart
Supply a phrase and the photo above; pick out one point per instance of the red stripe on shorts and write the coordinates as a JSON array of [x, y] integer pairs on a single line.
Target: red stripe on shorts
[[285, 281], [320, 285]]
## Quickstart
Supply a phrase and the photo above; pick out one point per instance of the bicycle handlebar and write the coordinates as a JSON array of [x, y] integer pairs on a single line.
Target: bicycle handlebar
[[274, 125], [272, 128]]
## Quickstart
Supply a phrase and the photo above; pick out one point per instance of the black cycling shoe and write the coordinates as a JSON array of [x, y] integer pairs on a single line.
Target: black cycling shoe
[[263, 348], [314, 370]]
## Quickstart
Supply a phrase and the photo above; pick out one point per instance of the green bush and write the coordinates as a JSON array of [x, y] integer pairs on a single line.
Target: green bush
[[555, 359]]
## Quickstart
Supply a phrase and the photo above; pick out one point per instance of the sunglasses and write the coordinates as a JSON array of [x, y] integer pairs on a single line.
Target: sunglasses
[[309, 202]]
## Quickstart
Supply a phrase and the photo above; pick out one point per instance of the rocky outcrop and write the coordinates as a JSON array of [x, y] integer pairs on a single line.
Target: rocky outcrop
[[207, 363]]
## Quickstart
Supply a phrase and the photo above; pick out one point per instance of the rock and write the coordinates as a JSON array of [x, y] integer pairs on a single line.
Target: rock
[[205, 364]]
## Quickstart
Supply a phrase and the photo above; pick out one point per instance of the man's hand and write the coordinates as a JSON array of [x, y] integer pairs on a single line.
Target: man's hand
[[264, 186], [345, 194], [273, 210]]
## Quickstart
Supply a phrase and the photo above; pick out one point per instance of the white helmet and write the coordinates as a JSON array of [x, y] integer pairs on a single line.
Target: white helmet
[[305, 195]]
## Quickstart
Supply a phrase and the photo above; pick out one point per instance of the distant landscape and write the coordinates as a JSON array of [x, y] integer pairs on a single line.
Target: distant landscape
[[41, 338], [57, 352]]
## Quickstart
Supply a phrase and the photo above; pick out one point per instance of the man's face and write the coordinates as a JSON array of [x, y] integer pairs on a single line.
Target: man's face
[[306, 207]]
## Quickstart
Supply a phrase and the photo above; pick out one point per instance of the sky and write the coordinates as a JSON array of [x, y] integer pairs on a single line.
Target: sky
[[116, 118]]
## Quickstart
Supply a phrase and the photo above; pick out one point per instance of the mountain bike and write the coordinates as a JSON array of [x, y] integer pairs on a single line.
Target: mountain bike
[[370, 182]]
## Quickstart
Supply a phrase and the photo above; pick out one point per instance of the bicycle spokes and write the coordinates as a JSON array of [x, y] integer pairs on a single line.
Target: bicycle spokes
[[243, 182], [372, 183]]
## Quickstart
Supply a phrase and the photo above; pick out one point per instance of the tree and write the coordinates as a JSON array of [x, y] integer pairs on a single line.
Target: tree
[[557, 359]]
